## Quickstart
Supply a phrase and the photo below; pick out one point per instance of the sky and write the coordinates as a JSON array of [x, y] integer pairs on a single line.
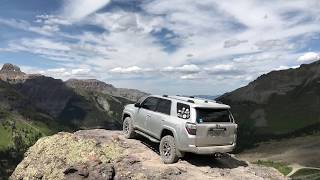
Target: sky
[[160, 46]]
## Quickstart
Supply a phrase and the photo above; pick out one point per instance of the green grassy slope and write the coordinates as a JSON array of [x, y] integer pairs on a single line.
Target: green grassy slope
[[21, 124], [283, 168], [16, 135]]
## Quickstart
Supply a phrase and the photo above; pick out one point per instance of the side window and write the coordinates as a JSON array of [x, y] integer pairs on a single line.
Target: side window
[[150, 103], [141, 100], [183, 111], [164, 106]]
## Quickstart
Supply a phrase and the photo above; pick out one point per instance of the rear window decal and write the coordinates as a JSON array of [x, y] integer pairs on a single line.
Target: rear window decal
[[183, 111]]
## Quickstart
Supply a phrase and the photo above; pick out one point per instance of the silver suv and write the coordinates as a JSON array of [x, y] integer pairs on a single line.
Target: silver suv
[[181, 124]]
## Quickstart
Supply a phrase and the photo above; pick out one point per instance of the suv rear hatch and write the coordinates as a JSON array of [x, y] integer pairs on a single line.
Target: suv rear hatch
[[215, 127]]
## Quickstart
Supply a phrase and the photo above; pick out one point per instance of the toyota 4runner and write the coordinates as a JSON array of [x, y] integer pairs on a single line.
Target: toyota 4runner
[[181, 124]]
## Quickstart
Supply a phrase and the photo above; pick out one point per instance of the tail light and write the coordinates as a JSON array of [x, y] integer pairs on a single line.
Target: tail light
[[191, 128]]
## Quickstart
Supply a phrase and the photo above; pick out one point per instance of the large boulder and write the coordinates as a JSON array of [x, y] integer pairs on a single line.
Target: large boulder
[[101, 154], [65, 156]]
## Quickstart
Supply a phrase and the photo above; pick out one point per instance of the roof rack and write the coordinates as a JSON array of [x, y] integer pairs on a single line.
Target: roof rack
[[190, 101], [185, 100]]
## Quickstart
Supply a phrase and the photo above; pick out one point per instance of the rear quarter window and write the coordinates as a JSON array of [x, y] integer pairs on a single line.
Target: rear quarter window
[[183, 111]]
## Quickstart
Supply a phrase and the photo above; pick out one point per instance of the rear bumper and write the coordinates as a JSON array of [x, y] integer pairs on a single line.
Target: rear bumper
[[211, 149]]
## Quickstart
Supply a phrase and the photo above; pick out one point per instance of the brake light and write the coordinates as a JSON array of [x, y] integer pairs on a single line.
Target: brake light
[[191, 128]]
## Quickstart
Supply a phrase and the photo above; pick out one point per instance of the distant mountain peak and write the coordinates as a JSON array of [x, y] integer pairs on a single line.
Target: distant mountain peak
[[11, 68], [12, 73]]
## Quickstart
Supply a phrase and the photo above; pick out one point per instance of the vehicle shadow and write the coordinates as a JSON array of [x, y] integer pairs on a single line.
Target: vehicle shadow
[[151, 145], [225, 162]]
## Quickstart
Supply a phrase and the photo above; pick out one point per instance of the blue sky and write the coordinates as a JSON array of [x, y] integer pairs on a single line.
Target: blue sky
[[160, 46]]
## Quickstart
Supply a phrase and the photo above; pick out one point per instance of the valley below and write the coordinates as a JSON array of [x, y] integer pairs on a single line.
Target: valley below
[[294, 154], [300, 150]]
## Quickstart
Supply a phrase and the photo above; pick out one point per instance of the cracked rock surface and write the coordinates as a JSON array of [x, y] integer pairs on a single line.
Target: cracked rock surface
[[102, 154]]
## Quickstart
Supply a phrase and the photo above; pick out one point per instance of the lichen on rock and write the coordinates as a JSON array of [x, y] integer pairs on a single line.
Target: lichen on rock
[[51, 157], [104, 154]]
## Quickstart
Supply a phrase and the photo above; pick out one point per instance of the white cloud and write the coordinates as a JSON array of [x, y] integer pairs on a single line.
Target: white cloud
[[225, 69], [61, 73], [192, 77], [78, 9], [309, 57], [210, 39], [47, 30], [57, 70], [46, 48], [129, 70], [233, 42], [80, 71], [46, 44], [51, 20], [187, 68]]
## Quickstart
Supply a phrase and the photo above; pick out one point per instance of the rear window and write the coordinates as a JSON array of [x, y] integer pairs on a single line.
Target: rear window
[[183, 111], [213, 115], [164, 106]]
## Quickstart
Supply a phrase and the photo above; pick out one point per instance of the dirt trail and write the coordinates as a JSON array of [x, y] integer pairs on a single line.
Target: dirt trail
[[141, 160], [297, 167]]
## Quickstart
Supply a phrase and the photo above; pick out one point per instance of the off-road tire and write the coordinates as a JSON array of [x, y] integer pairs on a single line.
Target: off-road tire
[[168, 150], [127, 128]]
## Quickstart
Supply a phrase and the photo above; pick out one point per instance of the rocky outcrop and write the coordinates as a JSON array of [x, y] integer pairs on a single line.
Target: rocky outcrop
[[100, 154], [10, 68], [131, 94], [12, 73], [90, 85]]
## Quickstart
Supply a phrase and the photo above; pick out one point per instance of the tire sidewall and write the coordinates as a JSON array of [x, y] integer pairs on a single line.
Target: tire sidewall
[[173, 153], [130, 133]]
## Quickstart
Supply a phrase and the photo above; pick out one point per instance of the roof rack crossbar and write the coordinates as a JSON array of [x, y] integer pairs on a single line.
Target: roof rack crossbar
[[189, 100]]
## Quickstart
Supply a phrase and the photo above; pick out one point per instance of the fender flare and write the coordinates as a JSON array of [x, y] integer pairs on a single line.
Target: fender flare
[[174, 133]]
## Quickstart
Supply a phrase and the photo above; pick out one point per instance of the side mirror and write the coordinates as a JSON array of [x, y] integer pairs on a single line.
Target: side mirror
[[138, 105]]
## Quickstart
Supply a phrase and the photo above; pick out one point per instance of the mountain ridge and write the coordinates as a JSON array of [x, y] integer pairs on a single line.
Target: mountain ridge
[[280, 82], [33, 105], [277, 104]]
